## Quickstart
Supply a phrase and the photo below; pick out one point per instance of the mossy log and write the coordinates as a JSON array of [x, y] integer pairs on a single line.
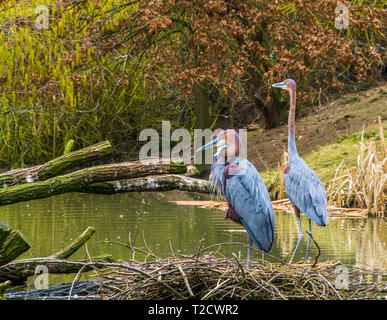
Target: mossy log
[[56, 166], [74, 245], [17, 271], [12, 244], [4, 286], [78, 180], [150, 183]]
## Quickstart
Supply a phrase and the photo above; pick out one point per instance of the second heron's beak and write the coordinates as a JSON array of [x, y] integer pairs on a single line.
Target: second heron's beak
[[281, 85], [218, 142]]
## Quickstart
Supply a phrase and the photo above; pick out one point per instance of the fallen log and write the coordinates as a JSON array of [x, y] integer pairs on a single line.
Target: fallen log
[[150, 183], [17, 271], [12, 244], [82, 290], [56, 166], [77, 181], [4, 286], [192, 171]]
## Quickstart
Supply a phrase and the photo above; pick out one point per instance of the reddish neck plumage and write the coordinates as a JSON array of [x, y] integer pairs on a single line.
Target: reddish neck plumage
[[292, 150], [233, 142]]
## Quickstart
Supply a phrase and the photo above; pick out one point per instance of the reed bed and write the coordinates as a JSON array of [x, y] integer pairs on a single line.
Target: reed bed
[[364, 186], [210, 276]]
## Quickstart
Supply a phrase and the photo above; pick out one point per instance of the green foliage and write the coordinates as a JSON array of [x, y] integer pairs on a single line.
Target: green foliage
[[105, 70], [57, 86]]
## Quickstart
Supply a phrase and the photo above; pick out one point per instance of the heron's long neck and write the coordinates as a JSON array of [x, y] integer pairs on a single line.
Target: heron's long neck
[[292, 149]]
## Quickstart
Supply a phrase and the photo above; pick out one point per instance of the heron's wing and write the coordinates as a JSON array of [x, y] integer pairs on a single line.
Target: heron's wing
[[305, 190], [247, 194]]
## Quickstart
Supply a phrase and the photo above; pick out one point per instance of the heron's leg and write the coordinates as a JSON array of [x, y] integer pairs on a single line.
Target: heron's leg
[[249, 244], [307, 247], [300, 235]]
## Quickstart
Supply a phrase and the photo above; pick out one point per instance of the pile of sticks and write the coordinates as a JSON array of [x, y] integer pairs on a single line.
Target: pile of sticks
[[208, 276]]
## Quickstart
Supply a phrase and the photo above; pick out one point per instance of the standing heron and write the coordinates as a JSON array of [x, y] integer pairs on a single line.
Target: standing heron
[[303, 188], [238, 180]]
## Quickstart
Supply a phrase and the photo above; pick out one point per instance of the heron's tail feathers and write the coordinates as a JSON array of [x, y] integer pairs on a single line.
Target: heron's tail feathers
[[321, 216], [263, 239]]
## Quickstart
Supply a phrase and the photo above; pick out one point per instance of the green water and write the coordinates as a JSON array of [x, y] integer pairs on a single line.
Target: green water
[[50, 223]]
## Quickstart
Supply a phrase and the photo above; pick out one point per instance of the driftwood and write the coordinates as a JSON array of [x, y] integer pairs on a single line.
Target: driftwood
[[77, 181], [150, 183], [278, 206], [12, 244], [17, 271], [56, 166]]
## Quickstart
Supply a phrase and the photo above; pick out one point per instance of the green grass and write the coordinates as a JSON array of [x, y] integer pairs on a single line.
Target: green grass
[[349, 100], [326, 159]]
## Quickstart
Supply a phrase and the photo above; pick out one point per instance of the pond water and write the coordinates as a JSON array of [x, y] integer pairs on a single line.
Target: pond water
[[50, 223]]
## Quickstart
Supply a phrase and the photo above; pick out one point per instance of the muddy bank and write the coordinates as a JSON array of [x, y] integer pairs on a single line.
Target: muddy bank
[[331, 122]]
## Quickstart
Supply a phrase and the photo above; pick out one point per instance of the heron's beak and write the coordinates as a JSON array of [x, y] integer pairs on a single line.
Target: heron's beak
[[281, 85], [218, 142], [220, 149]]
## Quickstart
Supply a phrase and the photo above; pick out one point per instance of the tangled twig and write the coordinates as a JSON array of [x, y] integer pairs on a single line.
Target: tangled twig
[[318, 248]]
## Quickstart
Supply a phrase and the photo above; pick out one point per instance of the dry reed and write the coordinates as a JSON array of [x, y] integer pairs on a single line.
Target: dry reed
[[364, 186]]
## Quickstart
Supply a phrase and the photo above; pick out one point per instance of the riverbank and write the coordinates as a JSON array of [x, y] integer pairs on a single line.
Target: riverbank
[[338, 123], [326, 159], [330, 141]]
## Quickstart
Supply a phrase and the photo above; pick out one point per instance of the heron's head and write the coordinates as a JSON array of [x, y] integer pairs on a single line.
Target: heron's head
[[288, 84], [228, 141]]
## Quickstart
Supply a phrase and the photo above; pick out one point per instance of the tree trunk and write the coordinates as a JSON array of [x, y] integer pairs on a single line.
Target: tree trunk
[[55, 167], [202, 105], [77, 181], [275, 113], [12, 244]]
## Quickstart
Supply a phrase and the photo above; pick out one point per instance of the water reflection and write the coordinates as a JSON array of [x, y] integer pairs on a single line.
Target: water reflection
[[49, 223]]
